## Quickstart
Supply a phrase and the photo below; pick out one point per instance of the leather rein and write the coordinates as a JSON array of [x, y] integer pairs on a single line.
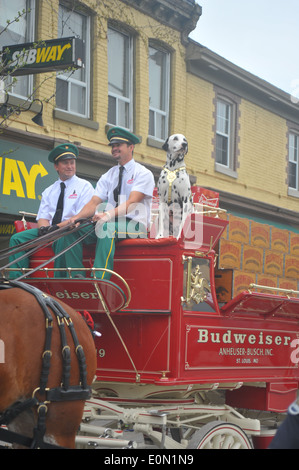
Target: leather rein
[[43, 241]]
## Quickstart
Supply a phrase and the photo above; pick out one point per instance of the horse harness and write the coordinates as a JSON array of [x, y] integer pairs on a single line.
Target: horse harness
[[65, 392]]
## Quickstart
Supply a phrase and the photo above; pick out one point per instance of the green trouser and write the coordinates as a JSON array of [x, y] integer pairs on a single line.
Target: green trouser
[[17, 239], [105, 236]]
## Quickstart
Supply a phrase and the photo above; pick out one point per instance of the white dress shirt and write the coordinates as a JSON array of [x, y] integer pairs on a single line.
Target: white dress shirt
[[135, 178], [77, 193]]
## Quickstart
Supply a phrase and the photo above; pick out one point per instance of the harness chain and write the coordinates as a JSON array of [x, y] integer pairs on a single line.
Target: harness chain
[[63, 393], [171, 177]]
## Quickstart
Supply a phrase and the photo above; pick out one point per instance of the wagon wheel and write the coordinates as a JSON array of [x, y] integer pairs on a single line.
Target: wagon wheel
[[219, 435]]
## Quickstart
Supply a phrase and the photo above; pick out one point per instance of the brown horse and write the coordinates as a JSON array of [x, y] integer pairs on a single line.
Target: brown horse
[[23, 339]]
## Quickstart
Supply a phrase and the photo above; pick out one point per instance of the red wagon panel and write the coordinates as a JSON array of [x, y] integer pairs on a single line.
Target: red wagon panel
[[174, 332], [167, 342]]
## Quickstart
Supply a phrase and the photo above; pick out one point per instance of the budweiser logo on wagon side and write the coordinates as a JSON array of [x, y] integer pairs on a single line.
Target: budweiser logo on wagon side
[[206, 347]]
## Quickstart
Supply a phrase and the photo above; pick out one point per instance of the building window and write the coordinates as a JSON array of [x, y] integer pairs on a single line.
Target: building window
[[72, 88], [159, 86], [120, 79], [226, 127], [223, 133], [18, 31], [293, 161]]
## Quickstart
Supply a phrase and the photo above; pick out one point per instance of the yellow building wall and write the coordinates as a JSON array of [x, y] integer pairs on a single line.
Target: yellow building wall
[[263, 147], [262, 165], [145, 29], [199, 125]]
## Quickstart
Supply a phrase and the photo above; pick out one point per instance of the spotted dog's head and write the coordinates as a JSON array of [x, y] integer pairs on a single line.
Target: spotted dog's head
[[176, 147]]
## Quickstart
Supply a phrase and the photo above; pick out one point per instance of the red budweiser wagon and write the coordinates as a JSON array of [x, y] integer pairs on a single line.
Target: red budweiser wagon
[[177, 367]]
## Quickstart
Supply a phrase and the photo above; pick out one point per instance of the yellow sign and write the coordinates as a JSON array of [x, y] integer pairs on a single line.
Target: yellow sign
[[39, 55], [10, 177], [24, 174], [6, 230]]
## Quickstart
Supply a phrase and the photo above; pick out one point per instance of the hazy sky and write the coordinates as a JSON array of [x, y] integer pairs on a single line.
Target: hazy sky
[[261, 36]]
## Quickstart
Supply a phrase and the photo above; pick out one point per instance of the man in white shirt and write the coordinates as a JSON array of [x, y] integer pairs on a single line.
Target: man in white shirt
[[121, 205], [75, 193]]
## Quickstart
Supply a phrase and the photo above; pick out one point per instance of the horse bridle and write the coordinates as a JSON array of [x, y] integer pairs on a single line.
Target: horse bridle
[[65, 392]]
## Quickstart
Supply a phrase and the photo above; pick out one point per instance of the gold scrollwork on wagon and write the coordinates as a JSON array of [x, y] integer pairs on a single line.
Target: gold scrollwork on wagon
[[197, 286], [200, 287]]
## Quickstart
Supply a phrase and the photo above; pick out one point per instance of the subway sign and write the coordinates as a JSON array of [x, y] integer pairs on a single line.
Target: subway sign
[[43, 56]]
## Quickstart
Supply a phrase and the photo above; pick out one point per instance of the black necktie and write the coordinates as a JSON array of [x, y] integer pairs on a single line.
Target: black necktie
[[116, 191], [59, 209]]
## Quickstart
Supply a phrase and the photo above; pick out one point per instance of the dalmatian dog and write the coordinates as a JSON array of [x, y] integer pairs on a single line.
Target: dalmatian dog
[[174, 189]]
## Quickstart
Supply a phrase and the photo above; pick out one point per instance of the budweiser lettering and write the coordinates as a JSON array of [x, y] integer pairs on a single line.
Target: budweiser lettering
[[236, 347], [205, 336], [76, 295]]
